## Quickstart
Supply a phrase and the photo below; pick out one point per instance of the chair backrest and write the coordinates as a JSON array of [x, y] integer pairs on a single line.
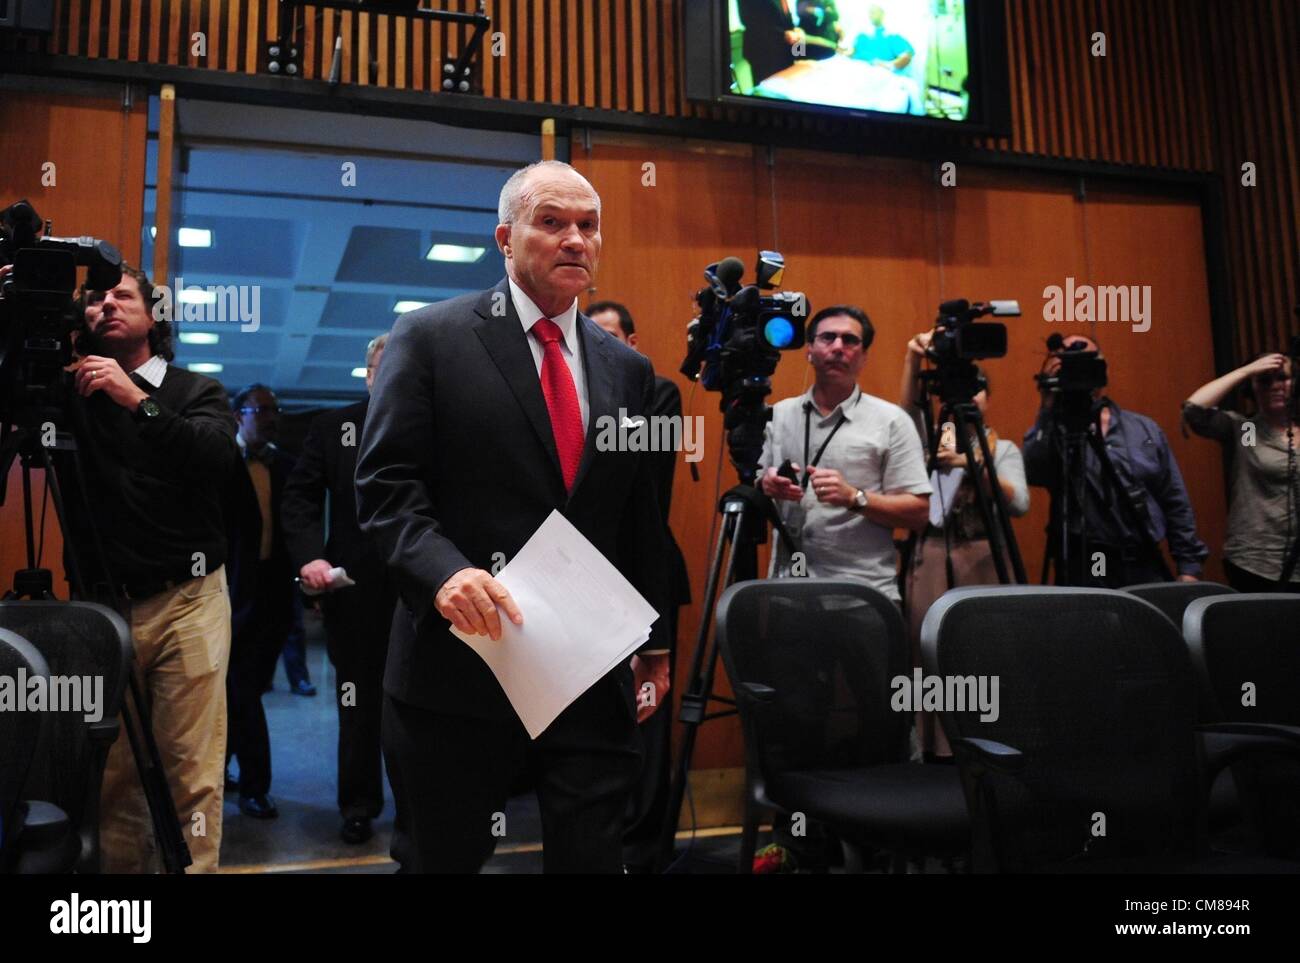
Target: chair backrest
[[20, 727], [1172, 598], [77, 639], [1247, 648], [828, 648], [1096, 690]]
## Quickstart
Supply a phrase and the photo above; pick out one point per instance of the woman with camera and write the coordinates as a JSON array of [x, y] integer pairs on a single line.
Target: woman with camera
[[954, 548], [1264, 499]]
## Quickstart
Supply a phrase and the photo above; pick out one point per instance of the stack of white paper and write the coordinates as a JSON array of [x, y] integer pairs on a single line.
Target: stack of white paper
[[581, 619]]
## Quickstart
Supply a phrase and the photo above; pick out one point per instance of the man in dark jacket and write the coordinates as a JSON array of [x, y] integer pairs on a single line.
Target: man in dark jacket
[[261, 591], [159, 444], [484, 422], [357, 618]]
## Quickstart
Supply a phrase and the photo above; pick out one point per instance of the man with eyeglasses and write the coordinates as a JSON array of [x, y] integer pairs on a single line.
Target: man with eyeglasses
[[261, 591], [860, 474], [857, 458]]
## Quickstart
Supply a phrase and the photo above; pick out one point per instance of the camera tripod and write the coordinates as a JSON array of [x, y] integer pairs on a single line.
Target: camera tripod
[[1077, 431], [734, 558], [23, 441], [959, 407]]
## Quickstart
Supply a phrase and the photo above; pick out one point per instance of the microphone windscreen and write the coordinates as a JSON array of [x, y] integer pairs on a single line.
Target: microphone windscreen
[[730, 271]]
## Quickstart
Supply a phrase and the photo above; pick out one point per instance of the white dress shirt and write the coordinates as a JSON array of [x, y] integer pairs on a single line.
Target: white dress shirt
[[571, 347], [153, 371]]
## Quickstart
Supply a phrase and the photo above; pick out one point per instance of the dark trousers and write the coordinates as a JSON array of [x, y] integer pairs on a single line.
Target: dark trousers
[[295, 647], [452, 775], [357, 623], [1123, 568], [254, 646], [649, 804], [1244, 581]]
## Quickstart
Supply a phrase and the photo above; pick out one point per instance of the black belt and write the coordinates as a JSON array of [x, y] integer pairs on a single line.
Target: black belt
[[137, 591]]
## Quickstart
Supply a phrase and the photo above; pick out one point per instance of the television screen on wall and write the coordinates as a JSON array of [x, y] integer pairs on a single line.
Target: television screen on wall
[[935, 61]]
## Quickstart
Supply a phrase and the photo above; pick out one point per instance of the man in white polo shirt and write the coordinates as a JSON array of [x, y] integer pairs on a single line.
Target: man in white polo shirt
[[858, 458]]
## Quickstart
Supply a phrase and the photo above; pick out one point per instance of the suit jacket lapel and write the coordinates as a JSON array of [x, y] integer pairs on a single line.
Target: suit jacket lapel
[[598, 368], [506, 343]]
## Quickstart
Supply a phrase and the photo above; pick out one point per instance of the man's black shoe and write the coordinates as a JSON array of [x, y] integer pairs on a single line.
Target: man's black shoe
[[356, 830], [259, 807]]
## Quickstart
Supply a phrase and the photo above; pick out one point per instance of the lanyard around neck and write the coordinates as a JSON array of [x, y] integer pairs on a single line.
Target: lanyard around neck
[[807, 430]]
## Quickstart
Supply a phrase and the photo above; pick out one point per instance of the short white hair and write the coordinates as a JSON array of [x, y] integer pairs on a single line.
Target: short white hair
[[514, 191], [375, 346]]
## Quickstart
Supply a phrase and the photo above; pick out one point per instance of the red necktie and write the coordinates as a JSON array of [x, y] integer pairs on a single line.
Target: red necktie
[[561, 399]]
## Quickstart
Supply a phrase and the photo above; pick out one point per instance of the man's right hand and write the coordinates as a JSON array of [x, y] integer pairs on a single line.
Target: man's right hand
[[316, 575], [469, 600], [778, 486]]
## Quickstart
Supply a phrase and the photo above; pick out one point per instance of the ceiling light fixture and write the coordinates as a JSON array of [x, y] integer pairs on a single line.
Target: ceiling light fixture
[[454, 253]]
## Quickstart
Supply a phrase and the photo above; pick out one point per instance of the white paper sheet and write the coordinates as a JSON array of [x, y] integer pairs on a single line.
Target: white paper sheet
[[581, 619]]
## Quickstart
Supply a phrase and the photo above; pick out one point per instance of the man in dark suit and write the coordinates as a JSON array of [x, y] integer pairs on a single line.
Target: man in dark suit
[[261, 591], [651, 799], [484, 421], [357, 618], [771, 30]]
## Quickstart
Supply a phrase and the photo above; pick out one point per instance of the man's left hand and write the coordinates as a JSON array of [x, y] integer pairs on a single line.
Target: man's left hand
[[1188, 578], [831, 489], [97, 373], [650, 680]]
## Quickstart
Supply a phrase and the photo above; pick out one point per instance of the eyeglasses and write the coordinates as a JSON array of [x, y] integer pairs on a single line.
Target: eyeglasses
[[828, 338], [260, 410]]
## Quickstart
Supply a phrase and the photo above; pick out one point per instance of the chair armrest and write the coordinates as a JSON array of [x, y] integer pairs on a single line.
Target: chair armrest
[[758, 692], [44, 842], [991, 754], [1223, 743]]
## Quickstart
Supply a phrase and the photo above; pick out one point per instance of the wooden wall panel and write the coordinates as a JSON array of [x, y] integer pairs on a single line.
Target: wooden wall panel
[[97, 189], [1001, 235]]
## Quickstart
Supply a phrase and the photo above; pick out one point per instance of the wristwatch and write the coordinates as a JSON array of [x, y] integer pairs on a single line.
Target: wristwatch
[[148, 408], [860, 500]]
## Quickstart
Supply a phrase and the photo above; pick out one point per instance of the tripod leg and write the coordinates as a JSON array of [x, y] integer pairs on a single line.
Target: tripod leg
[[703, 666], [977, 475]]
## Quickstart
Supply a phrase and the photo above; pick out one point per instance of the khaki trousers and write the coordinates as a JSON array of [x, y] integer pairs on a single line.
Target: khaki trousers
[[182, 648]]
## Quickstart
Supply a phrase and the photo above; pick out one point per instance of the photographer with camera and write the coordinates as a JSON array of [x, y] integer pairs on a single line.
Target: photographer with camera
[[953, 550], [161, 442], [1264, 505], [857, 459], [1124, 518], [844, 469]]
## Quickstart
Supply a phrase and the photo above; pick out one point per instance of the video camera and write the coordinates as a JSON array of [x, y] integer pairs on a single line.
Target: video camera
[[1082, 371], [959, 341], [37, 308], [733, 346]]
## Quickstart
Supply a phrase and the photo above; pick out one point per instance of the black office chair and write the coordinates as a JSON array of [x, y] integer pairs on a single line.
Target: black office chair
[[35, 836], [1246, 649], [811, 662], [1172, 598], [76, 639], [1093, 762]]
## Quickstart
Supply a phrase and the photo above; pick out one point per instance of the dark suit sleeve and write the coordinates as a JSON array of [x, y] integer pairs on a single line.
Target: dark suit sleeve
[[643, 543], [399, 451], [302, 512], [1184, 544], [197, 444]]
